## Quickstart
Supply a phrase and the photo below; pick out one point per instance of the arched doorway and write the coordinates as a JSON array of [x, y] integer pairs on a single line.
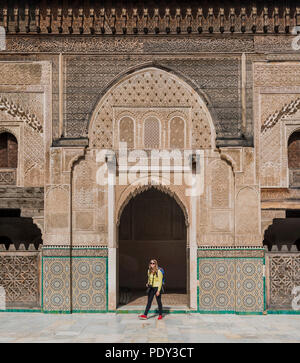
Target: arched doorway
[[152, 225], [8, 158], [8, 150], [294, 159]]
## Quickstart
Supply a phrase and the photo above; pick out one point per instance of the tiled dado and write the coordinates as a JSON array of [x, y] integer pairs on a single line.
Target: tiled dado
[[231, 279], [74, 280]]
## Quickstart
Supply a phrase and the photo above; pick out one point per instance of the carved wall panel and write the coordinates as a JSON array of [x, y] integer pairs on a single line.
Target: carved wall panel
[[89, 204], [12, 73], [287, 74], [274, 139], [151, 89], [16, 104], [272, 105], [57, 209], [247, 211], [152, 133], [271, 156], [8, 177], [220, 196], [33, 155], [22, 102], [220, 180], [19, 275], [284, 272], [55, 165], [83, 196], [154, 125], [277, 110]]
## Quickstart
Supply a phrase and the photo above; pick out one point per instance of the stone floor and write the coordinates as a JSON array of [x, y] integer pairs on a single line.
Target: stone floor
[[139, 298], [127, 328]]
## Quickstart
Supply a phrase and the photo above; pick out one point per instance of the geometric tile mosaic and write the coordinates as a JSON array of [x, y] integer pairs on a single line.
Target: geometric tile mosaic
[[56, 284], [249, 285], [89, 283], [231, 284], [217, 284]]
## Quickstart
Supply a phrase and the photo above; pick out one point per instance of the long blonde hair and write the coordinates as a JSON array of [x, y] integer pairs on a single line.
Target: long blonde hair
[[154, 269]]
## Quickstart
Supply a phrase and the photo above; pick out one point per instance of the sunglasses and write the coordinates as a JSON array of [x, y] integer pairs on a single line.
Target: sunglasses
[[152, 263]]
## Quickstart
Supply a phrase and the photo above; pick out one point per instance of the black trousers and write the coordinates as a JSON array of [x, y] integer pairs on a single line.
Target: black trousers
[[152, 292]]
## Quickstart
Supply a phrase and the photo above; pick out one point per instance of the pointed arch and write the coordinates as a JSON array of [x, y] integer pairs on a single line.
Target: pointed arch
[[151, 87], [132, 190]]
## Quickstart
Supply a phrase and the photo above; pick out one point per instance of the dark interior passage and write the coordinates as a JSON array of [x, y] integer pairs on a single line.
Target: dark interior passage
[[15, 229], [152, 225], [284, 231]]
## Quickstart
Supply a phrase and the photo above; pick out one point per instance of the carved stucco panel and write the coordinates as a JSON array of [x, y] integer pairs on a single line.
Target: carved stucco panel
[[55, 165], [28, 129], [24, 73], [287, 74], [220, 180], [249, 160], [151, 88], [89, 203], [272, 103], [247, 212], [57, 199], [273, 143], [220, 197], [274, 98], [34, 157]]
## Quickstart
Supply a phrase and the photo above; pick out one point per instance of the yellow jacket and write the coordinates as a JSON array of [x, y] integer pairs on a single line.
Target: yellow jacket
[[156, 280]]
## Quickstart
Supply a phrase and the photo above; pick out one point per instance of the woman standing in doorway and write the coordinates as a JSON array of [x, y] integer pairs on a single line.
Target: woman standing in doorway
[[154, 285]]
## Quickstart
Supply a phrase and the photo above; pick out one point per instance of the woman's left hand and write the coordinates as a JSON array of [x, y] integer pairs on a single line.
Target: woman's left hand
[[157, 294]]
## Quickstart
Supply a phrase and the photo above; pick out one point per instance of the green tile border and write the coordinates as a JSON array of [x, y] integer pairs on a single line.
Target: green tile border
[[198, 287], [230, 258], [74, 248], [284, 312], [21, 311], [228, 248], [264, 282], [106, 283], [153, 311], [167, 312], [56, 312]]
